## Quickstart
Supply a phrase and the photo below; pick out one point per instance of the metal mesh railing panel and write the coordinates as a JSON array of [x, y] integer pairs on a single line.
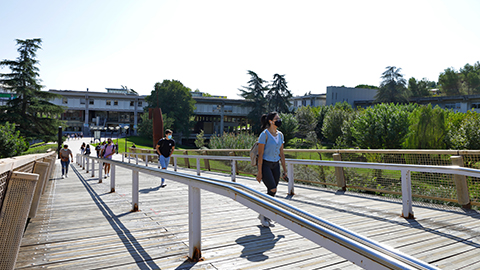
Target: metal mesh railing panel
[[28, 168], [3, 186], [13, 218]]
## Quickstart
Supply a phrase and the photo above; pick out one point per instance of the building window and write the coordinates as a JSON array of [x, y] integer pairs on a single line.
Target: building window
[[64, 100], [82, 101], [132, 103], [115, 103], [109, 102], [449, 106], [91, 101], [476, 106], [139, 104]]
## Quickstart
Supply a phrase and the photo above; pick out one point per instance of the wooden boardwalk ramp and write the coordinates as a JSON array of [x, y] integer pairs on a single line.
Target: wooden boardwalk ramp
[[81, 225]]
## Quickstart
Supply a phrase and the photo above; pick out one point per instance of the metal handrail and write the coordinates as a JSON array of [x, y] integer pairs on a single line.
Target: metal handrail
[[356, 248]]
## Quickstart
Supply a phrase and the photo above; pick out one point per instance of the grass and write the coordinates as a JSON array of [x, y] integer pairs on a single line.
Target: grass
[[40, 149]]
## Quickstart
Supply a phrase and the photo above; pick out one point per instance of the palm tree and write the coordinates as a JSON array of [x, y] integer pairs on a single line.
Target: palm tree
[[392, 88]]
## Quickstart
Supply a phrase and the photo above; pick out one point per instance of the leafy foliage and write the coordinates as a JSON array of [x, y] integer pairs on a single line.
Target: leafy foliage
[[427, 128], [306, 120], [232, 141], [200, 140], [11, 143], [466, 133], [145, 128], [289, 126], [366, 86], [255, 99], [420, 88], [384, 126], [334, 122], [176, 101], [449, 82], [30, 110]]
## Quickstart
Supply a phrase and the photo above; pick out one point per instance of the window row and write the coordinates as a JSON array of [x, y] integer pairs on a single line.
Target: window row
[[108, 102]]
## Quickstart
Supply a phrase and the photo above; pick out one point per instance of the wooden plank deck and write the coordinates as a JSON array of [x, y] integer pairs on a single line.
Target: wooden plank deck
[[80, 225]]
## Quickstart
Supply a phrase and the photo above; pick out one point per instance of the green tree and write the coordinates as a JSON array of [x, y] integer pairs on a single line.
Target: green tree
[[470, 78], [419, 88], [278, 95], [200, 140], [383, 126], [11, 143], [306, 119], [392, 88], [449, 82], [427, 129], [30, 110], [255, 99], [176, 101], [320, 113], [334, 122], [289, 126], [366, 86], [145, 128], [463, 131]]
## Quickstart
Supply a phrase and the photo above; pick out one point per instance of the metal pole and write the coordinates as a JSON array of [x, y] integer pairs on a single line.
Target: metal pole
[[100, 171], [291, 183], [112, 178], [59, 143], [194, 224], [134, 191], [198, 166], [233, 171]]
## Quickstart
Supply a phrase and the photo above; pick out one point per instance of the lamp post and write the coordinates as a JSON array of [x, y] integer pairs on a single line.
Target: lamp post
[[126, 129]]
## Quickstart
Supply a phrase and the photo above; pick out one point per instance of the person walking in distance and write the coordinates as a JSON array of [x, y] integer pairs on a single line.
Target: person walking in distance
[[107, 154], [65, 160], [270, 152], [164, 148]]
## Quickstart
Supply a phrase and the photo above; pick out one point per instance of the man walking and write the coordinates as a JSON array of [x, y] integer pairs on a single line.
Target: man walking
[[65, 160], [164, 148]]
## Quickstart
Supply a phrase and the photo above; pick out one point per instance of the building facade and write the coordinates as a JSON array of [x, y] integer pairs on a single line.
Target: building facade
[[218, 115], [87, 111], [313, 100], [120, 110], [350, 95], [5, 96]]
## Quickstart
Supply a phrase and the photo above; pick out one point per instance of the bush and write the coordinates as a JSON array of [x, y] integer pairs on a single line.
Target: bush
[[11, 144], [232, 141]]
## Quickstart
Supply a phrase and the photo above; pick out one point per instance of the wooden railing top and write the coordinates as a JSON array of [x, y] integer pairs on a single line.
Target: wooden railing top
[[9, 164], [382, 151]]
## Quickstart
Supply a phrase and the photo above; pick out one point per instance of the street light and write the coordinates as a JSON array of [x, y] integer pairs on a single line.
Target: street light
[[126, 129]]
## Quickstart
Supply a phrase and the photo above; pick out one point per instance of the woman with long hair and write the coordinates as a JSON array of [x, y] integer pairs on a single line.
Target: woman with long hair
[[270, 152]]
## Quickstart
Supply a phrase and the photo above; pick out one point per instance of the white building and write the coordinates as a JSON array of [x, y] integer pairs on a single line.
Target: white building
[[86, 109], [337, 94], [5, 95], [312, 100]]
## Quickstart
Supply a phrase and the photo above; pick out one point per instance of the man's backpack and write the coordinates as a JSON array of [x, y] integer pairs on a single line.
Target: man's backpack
[[254, 152]]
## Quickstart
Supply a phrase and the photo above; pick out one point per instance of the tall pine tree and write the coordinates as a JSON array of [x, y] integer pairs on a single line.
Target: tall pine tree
[[254, 94], [30, 110], [278, 95]]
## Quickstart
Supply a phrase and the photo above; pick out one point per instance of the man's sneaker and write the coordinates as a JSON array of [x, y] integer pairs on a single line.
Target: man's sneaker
[[63, 176], [271, 223], [263, 221], [66, 175]]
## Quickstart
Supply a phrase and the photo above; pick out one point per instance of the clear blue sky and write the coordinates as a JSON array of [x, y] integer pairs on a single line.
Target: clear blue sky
[[210, 45]]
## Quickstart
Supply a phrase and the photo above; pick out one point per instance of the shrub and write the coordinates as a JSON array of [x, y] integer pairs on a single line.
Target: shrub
[[11, 144]]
